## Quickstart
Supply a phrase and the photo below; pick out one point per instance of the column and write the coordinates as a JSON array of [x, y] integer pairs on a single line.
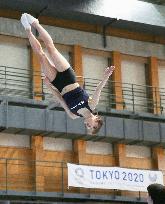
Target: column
[[77, 63], [36, 75], [153, 81], [79, 151], [117, 78], [158, 158], [120, 154], [79, 157], [120, 158], [38, 166]]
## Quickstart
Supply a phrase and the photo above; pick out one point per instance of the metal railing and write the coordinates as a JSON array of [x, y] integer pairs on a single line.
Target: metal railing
[[16, 81], [35, 176], [135, 98], [42, 176]]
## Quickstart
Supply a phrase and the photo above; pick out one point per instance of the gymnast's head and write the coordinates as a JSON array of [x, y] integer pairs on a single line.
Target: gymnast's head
[[93, 124], [156, 194]]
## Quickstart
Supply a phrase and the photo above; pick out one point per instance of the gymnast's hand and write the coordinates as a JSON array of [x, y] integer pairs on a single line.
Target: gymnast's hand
[[108, 71], [96, 95]]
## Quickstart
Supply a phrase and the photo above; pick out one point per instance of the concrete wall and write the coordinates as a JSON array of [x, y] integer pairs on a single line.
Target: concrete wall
[[94, 41], [134, 73], [100, 148], [14, 66], [161, 76], [90, 40], [57, 144], [14, 54], [136, 151], [13, 140], [162, 86], [93, 68]]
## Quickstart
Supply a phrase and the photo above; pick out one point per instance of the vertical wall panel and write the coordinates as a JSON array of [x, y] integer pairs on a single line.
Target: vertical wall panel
[[101, 148], [134, 73], [93, 68], [15, 68], [138, 151], [152, 79], [57, 144], [162, 86], [14, 140]]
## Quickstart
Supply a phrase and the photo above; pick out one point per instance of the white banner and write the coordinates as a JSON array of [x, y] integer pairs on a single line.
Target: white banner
[[112, 177]]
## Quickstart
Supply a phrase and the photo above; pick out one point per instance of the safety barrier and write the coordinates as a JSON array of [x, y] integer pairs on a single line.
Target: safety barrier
[[134, 97], [48, 177]]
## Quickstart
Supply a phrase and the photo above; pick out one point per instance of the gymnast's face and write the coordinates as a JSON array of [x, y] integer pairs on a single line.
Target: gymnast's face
[[91, 123]]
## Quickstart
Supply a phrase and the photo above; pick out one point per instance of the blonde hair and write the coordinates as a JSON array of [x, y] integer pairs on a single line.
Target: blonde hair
[[99, 120]]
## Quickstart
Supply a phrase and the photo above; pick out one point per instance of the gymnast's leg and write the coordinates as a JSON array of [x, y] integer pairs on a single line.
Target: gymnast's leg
[[59, 61], [47, 67]]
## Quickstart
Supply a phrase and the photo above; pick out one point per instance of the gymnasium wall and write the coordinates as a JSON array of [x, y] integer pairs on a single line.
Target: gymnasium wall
[[77, 151], [86, 39]]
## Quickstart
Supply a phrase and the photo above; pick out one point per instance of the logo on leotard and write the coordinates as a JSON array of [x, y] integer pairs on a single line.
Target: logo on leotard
[[79, 104]]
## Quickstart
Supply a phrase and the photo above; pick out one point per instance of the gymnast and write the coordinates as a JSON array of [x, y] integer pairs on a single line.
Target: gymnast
[[60, 78], [156, 194]]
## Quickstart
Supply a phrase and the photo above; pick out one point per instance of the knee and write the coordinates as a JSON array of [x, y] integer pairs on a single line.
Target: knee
[[51, 48]]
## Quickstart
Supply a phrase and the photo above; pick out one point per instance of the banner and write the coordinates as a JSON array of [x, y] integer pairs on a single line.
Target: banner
[[112, 177]]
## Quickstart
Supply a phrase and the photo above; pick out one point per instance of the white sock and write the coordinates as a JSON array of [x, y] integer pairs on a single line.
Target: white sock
[[25, 22], [31, 19]]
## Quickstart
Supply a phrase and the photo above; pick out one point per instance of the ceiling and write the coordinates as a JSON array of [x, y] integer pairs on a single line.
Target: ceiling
[[79, 10], [160, 2]]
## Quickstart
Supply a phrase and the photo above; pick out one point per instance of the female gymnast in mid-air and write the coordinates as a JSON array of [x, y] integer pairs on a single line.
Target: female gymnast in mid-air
[[60, 78]]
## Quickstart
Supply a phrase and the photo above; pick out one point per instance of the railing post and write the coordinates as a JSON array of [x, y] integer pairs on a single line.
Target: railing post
[[32, 87], [6, 180], [62, 178], [5, 78], [139, 197], [111, 98], [156, 101], [133, 99], [161, 108], [42, 89]]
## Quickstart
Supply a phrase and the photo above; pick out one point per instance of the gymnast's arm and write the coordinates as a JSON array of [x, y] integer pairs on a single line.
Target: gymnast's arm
[[59, 98], [96, 96]]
